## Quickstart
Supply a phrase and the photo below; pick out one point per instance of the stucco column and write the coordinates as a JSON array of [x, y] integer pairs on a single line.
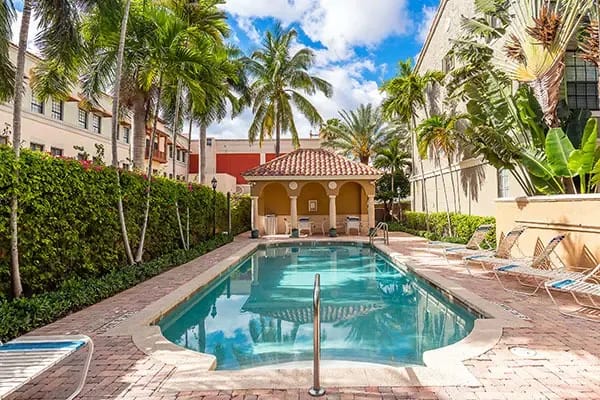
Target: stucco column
[[371, 210], [254, 212], [294, 211], [332, 212]]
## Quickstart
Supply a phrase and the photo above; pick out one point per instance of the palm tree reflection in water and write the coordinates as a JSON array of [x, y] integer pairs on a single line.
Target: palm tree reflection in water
[[262, 312]]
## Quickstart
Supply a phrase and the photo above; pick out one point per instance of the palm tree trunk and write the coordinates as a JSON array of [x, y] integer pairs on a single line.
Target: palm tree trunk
[[277, 135], [187, 179], [454, 191], [202, 152], [423, 190], [139, 131], [140, 250], [175, 125], [445, 197], [115, 127], [15, 272]]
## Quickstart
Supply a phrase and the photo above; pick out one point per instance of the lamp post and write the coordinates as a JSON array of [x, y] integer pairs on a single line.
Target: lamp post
[[214, 221]]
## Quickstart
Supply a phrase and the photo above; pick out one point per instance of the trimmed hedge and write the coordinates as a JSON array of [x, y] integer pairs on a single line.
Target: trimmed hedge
[[68, 219], [22, 315], [463, 226]]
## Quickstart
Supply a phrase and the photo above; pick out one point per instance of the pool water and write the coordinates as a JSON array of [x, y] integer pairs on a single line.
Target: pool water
[[260, 313]]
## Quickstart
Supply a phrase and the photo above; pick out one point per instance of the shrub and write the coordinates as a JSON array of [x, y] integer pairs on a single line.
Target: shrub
[[463, 226], [68, 219], [22, 315]]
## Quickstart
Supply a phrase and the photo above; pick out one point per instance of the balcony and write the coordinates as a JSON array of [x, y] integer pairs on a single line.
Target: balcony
[[158, 156]]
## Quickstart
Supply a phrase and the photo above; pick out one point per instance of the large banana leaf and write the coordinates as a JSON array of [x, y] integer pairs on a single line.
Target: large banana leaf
[[558, 150], [581, 161], [537, 165]]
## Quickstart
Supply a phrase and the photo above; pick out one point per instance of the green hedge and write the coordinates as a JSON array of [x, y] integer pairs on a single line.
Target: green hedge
[[68, 220], [25, 314], [463, 226]]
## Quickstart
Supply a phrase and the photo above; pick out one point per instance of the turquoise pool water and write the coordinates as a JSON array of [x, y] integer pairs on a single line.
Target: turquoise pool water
[[260, 313]]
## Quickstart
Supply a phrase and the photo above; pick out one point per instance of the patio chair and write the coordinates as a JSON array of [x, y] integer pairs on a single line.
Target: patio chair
[[539, 268], [502, 252], [288, 226], [23, 359], [475, 242], [579, 285], [304, 224], [352, 223]]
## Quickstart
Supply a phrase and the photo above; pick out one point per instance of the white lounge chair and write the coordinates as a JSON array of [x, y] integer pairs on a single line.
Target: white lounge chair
[[579, 285], [539, 268], [475, 243], [23, 359], [304, 224], [502, 252], [352, 223]]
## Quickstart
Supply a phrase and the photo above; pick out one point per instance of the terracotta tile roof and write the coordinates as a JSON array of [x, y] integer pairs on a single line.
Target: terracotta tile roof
[[312, 162]]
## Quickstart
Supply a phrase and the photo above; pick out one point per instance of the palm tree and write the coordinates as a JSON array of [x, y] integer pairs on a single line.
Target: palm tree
[[439, 133], [280, 80], [358, 133], [536, 41], [59, 42], [393, 154], [405, 96]]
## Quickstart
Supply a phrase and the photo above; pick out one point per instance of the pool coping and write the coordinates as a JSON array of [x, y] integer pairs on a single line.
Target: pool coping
[[195, 371]]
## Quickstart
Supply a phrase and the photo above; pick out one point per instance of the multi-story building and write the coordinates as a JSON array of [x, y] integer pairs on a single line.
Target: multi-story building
[[71, 128], [478, 183], [227, 159]]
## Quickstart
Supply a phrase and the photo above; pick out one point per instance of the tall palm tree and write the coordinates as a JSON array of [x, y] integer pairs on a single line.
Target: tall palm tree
[[405, 95], [393, 155], [281, 80], [59, 42], [358, 132], [439, 134]]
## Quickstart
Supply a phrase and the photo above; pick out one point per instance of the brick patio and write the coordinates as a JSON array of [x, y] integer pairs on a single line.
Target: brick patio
[[566, 364]]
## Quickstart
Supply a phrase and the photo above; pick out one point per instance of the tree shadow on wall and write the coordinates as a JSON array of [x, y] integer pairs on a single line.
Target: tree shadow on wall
[[471, 180]]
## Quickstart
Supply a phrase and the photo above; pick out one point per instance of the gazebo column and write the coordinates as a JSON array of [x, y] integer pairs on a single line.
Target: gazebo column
[[254, 213], [332, 216], [371, 212], [294, 213]]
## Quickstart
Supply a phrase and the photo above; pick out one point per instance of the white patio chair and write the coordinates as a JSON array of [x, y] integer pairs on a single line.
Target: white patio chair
[[501, 255], [304, 224], [476, 242], [23, 359], [352, 223], [580, 285]]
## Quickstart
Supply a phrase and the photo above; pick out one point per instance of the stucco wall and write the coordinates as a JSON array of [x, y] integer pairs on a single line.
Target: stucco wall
[[547, 216]]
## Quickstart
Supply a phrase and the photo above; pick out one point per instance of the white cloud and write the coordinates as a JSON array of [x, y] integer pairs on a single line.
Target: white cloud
[[425, 25], [249, 29], [33, 30]]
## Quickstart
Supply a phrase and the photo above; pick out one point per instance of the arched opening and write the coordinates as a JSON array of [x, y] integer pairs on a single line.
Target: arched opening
[[274, 200], [351, 202], [313, 200]]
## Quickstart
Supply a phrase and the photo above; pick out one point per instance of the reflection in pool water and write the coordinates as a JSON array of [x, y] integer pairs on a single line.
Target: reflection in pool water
[[261, 312]]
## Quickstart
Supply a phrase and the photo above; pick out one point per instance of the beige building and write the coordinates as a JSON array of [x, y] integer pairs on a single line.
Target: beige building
[[69, 129], [478, 183]]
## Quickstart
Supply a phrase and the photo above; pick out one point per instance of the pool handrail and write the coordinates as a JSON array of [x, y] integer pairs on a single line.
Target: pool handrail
[[316, 390]]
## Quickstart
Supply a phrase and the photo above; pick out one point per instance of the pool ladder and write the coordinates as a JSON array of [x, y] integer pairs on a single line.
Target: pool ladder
[[316, 390], [382, 226]]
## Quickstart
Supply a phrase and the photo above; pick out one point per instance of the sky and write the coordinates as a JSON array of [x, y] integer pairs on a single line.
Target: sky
[[357, 45]]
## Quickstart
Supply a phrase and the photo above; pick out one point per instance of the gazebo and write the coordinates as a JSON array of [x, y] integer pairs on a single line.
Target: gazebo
[[314, 190]]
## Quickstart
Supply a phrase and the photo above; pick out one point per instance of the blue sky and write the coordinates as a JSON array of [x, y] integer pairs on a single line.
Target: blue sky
[[357, 45]]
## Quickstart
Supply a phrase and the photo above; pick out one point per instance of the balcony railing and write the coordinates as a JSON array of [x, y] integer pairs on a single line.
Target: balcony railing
[[158, 156]]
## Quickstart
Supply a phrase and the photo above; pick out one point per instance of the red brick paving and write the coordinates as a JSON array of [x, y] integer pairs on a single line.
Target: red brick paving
[[566, 366]]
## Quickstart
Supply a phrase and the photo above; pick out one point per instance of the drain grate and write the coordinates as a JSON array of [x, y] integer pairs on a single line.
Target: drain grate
[[514, 312], [523, 352], [114, 322]]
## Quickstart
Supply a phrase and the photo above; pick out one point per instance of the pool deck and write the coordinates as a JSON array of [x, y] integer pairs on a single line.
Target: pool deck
[[563, 361]]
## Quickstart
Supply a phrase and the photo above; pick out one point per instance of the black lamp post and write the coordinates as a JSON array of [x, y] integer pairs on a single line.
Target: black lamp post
[[214, 186]]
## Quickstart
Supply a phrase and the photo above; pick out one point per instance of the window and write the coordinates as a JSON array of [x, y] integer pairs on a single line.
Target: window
[[170, 151], [126, 133], [82, 118], [56, 152], [503, 183], [3, 139], [582, 83], [447, 64], [57, 109], [178, 155], [96, 123], [183, 156], [36, 146], [126, 166], [209, 141], [37, 106]]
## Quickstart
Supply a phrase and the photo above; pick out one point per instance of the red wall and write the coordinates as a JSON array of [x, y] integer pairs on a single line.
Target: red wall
[[193, 167], [236, 163], [271, 156]]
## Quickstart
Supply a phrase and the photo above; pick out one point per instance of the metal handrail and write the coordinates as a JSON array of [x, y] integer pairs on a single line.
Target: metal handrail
[[384, 228], [316, 390]]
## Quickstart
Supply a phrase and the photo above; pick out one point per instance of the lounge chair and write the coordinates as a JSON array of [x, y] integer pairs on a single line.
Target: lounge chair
[[352, 223], [476, 241], [539, 268], [502, 252], [304, 224], [23, 359], [579, 285]]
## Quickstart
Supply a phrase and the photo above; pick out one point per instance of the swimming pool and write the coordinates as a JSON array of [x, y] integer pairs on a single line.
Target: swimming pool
[[260, 312]]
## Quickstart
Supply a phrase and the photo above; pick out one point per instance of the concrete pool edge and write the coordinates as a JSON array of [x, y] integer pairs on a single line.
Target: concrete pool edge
[[443, 366]]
